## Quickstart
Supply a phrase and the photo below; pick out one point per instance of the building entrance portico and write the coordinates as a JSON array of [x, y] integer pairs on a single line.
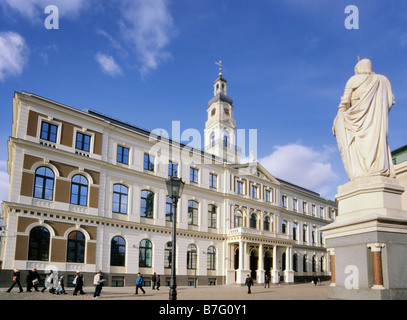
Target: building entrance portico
[[256, 259]]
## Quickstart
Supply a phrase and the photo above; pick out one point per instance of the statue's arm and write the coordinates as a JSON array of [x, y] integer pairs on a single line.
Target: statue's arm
[[347, 95]]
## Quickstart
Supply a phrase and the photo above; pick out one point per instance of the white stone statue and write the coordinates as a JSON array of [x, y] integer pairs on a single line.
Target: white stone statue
[[361, 125]]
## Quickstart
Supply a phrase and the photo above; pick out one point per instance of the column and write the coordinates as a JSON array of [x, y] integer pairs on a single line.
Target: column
[[288, 273], [260, 269], [274, 273], [376, 249], [331, 252]]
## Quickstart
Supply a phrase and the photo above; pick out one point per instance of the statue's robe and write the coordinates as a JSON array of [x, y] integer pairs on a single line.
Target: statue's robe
[[361, 126]]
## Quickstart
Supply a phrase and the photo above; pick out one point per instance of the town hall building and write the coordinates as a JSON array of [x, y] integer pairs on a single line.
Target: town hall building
[[88, 192]]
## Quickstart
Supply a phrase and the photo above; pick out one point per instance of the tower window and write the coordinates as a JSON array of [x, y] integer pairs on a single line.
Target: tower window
[[226, 139]]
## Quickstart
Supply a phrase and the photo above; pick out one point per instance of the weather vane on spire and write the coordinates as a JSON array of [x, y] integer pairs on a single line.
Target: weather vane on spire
[[220, 67]]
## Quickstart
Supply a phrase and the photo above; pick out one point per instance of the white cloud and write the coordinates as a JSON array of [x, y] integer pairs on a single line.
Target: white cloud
[[35, 8], [13, 54], [108, 64], [303, 166], [147, 27]]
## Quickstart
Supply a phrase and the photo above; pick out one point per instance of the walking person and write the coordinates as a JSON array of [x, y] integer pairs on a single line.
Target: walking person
[[78, 284], [98, 282], [154, 280], [267, 281], [139, 283], [61, 286], [16, 281], [33, 280], [158, 282], [249, 283], [47, 281]]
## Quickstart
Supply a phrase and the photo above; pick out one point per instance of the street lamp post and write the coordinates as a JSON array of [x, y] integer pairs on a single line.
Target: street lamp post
[[174, 186]]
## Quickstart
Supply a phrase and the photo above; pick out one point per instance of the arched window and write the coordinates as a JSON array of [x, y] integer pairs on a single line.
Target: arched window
[[212, 216], [192, 212], [253, 221], [304, 233], [168, 254], [226, 139], [267, 223], [238, 219], [145, 256], [169, 209], [294, 231], [120, 194], [147, 204], [313, 237], [314, 263], [44, 183], [211, 258], [191, 257], [322, 263], [305, 263], [118, 252], [283, 226], [295, 262], [212, 139], [76, 247], [38, 248], [79, 190]]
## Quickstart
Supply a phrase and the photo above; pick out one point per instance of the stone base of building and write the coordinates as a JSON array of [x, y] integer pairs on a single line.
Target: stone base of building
[[127, 280], [368, 241]]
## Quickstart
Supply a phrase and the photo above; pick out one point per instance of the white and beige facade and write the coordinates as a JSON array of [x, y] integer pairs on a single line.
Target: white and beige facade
[[88, 192]]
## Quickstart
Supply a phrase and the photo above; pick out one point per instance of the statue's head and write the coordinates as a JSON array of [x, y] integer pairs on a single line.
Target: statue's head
[[364, 67]]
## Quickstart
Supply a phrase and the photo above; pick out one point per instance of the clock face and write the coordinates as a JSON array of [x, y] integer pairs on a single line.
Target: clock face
[[213, 111], [226, 110]]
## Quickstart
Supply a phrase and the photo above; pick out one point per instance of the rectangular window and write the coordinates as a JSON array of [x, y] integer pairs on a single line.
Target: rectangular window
[[193, 175], [213, 180], [172, 169], [254, 192], [82, 142], [148, 162], [304, 207], [239, 187], [294, 204], [122, 155], [49, 132], [267, 195], [284, 201]]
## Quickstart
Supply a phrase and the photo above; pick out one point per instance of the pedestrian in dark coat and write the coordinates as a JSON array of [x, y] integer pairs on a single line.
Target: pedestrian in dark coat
[[154, 280], [158, 282], [249, 283], [78, 284], [33, 280], [16, 281], [267, 281]]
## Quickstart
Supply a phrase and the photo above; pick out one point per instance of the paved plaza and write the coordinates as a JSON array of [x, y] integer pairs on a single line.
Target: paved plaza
[[303, 291]]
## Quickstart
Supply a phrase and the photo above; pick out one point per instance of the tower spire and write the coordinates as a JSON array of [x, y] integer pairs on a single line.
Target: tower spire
[[220, 67]]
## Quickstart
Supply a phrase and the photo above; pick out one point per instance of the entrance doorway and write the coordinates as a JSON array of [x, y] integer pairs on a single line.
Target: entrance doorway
[[254, 261], [268, 263]]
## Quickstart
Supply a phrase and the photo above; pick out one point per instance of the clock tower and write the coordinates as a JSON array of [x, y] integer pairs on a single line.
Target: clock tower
[[220, 128]]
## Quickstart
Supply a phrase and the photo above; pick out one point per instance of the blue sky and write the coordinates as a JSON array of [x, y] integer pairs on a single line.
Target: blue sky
[[151, 62]]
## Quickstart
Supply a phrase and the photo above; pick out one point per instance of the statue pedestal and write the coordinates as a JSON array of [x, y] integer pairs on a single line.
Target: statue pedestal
[[368, 241]]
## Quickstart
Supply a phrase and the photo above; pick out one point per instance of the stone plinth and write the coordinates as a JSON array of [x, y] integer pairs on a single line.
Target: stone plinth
[[368, 241]]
